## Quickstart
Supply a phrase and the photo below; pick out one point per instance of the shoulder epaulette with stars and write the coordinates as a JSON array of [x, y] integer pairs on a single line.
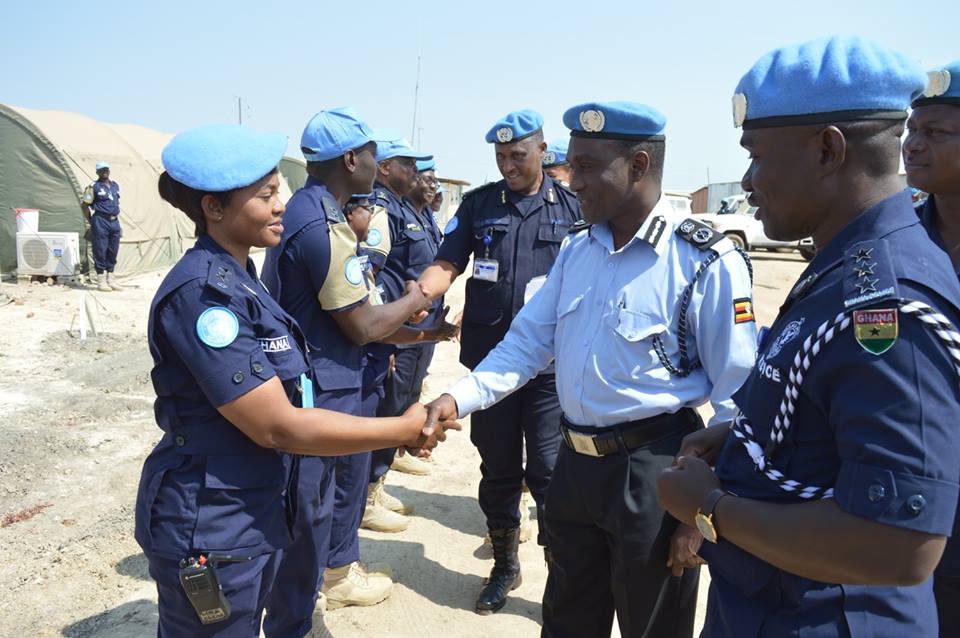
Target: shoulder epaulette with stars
[[332, 211], [868, 274], [698, 234], [221, 276]]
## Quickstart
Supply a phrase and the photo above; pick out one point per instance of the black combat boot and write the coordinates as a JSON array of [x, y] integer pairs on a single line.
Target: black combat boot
[[505, 575]]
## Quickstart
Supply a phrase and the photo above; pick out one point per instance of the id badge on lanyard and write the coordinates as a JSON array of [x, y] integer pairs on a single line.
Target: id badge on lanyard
[[486, 269]]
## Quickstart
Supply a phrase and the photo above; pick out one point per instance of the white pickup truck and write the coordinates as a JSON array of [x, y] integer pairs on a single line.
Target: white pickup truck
[[735, 220]]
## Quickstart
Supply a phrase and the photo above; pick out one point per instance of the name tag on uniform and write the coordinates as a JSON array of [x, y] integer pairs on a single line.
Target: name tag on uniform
[[486, 269]]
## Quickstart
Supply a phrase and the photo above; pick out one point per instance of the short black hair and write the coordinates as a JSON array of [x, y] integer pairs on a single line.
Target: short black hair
[[875, 144], [189, 200], [655, 149], [321, 170]]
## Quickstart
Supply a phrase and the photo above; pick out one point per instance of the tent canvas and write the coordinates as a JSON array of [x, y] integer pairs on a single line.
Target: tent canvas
[[47, 159]]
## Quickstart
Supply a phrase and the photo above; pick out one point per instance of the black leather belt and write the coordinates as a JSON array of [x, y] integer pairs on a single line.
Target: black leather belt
[[109, 218], [625, 437]]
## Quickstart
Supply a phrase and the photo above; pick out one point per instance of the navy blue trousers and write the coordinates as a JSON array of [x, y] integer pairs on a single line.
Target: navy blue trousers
[[105, 237], [530, 414], [401, 390], [291, 603], [352, 477], [246, 586]]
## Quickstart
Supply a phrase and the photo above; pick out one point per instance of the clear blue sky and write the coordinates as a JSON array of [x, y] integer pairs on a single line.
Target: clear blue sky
[[172, 65]]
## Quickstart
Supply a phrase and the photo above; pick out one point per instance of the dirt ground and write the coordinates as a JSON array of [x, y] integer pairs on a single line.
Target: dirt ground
[[78, 422]]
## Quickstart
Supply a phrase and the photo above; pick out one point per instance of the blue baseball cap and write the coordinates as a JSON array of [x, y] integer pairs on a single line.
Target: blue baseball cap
[[943, 87], [836, 79], [391, 143], [629, 121], [332, 133], [101, 166], [556, 153], [426, 165], [515, 126], [222, 157]]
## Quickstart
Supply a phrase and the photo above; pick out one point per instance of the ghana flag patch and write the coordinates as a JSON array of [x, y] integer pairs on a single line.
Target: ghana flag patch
[[875, 330], [743, 310]]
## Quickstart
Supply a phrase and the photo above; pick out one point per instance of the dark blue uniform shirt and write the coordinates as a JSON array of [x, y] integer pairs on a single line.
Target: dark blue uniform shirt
[[950, 563], [315, 271], [882, 429], [206, 486], [523, 233], [106, 197]]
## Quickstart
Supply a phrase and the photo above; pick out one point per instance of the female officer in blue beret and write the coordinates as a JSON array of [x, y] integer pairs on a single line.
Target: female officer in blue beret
[[216, 499]]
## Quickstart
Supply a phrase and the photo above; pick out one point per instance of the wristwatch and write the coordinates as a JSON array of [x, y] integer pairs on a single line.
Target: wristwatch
[[704, 517]]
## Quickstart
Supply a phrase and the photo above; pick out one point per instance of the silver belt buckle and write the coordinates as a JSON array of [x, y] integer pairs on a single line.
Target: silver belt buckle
[[583, 443]]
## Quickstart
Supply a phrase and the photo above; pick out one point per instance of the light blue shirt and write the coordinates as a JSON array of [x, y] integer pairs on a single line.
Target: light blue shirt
[[597, 315]]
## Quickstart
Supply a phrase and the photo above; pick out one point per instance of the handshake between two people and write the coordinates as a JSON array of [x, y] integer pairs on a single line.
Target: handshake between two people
[[432, 422], [442, 330]]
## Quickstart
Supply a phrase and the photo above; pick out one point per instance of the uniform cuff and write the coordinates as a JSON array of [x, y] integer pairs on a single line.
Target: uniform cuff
[[466, 395], [235, 380], [900, 499]]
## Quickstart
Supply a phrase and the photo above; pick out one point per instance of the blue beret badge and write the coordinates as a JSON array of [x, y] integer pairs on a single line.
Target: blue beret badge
[[217, 327], [374, 237], [451, 225], [504, 134], [592, 120], [353, 271]]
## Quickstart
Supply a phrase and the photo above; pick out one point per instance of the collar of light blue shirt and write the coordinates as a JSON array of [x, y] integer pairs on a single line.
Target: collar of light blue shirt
[[653, 231]]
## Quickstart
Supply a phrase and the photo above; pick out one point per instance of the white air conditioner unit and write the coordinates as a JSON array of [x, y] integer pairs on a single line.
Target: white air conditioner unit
[[50, 254]]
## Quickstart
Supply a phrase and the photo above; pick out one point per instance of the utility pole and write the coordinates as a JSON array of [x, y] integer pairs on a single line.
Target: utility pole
[[416, 99]]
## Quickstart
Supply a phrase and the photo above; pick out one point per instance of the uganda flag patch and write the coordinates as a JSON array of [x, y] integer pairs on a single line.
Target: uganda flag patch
[[875, 330], [743, 310]]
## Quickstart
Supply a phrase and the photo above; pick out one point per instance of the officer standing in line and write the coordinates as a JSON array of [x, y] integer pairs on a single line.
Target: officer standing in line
[[555, 161], [838, 480], [647, 315], [413, 244], [383, 512], [513, 228], [316, 275], [215, 505], [103, 196], [931, 156]]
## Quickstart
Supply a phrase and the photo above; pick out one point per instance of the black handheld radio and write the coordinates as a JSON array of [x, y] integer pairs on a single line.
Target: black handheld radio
[[198, 577]]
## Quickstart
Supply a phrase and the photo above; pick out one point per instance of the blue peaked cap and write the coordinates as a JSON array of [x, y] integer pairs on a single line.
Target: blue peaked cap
[[943, 87], [102, 165], [391, 143], [332, 133], [616, 121], [834, 79], [426, 165], [556, 153], [222, 157], [514, 127]]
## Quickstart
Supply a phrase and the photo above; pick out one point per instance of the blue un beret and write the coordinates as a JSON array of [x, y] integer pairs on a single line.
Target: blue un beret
[[943, 87], [426, 165], [836, 79], [514, 127], [556, 153], [222, 157], [391, 143], [332, 133], [615, 120]]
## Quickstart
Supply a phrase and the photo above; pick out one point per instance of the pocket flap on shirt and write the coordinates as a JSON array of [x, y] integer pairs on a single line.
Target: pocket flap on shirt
[[635, 326], [565, 307], [238, 472], [553, 232]]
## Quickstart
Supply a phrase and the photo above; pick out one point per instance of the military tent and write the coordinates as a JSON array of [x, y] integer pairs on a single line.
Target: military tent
[[47, 158]]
